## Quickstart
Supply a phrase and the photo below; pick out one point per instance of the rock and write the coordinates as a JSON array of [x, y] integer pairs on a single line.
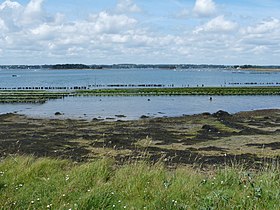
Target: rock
[[110, 118], [210, 128], [57, 113], [96, 119], [221, 114], [120, 116], [144, 117]]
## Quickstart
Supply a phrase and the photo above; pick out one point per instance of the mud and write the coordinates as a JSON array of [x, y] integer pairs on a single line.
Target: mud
[[273, 145], [247, 137]]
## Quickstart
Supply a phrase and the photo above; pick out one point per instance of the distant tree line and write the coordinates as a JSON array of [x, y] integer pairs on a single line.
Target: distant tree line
[[70, 66], [135, 66], [255, 66]]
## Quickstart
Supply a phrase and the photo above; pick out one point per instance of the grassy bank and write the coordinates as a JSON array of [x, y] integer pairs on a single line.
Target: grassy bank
[[183, 91], [29, 183]]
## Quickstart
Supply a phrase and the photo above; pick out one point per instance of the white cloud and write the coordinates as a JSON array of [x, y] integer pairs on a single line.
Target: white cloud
[[265, 26], [218, 24], [10, 13], [3, 26], [44, 31], [125, 6], [106, 23], [100, 32], [262, 38], [9, 4], [33, 12], [204, 8], [259, 50], [32, 35]]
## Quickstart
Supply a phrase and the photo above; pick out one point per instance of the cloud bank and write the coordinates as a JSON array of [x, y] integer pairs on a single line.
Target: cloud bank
[[30, 34]]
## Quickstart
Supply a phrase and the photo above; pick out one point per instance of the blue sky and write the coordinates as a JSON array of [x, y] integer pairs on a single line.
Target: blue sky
[[140, 31]]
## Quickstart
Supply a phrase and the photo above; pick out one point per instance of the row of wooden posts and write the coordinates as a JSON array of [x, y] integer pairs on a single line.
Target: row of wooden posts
[[120, 86], [86, 87]]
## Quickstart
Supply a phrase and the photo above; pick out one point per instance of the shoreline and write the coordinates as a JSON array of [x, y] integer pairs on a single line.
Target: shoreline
[[260, 69], [115, 118], [208, 139], [95, 67]]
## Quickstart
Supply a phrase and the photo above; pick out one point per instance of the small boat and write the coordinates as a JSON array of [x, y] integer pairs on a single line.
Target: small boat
[[14, 75]]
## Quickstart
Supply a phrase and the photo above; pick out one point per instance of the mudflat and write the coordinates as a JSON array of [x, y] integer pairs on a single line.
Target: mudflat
[[204, 139]]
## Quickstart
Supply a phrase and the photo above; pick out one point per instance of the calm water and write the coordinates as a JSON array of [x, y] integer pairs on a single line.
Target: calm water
[[134, 107], [179, 78]]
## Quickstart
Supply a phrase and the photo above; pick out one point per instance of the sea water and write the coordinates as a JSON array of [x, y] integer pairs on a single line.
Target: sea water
[[136, 106], [182, 77]]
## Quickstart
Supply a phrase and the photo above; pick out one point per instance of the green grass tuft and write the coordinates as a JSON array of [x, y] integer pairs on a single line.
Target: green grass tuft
[[30, 183]]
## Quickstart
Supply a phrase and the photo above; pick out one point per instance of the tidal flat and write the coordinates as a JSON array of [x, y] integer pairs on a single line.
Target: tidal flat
[[250, 138]]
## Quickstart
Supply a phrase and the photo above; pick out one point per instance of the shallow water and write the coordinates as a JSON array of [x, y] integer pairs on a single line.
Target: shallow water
[[134, 107]]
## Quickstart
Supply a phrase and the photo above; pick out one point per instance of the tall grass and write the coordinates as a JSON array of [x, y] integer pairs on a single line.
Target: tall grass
[[30, 183]]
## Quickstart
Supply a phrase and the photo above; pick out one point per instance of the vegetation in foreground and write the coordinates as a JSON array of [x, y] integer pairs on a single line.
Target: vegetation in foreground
[[29, 183], [201, 140]]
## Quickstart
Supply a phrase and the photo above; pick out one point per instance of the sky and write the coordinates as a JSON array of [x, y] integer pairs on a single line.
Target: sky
[[140, 31]]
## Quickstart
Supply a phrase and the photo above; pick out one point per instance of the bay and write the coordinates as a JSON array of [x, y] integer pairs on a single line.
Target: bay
[[178, 78], [134, 107]]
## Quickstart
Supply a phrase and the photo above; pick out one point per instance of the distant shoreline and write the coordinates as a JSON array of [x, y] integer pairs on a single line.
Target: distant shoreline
[[261, 69], [142, 66]]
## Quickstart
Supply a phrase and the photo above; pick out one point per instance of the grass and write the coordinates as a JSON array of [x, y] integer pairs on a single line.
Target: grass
[[30, 183]]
